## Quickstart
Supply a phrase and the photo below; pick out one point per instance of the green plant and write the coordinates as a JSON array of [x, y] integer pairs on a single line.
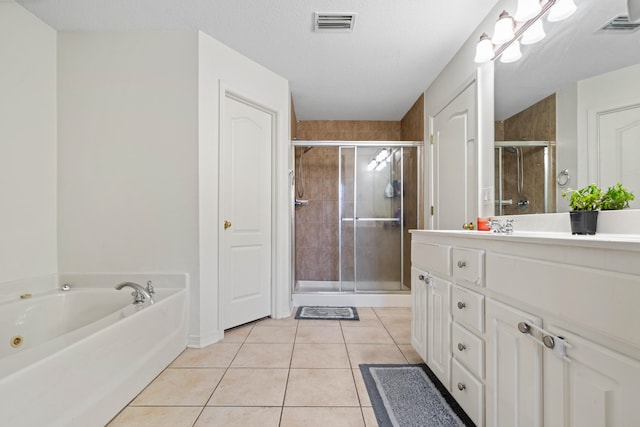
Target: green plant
[[616, 197], [588, 198]]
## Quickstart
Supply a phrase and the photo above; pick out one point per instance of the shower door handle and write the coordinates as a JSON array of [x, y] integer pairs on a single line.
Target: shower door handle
[[227, 224]]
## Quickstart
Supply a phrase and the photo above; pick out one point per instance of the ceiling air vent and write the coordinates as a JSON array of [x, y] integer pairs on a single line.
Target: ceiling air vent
[[619, 24], [333, 22]]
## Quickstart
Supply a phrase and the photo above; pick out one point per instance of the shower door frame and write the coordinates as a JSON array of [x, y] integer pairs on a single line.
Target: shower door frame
[[419, 185], [500, 145]]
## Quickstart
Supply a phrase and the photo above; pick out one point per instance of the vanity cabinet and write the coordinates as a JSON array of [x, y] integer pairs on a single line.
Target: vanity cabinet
[[419, 311], [439, 328], [431, 290], [595, 386], [514, 368], [543, 329]]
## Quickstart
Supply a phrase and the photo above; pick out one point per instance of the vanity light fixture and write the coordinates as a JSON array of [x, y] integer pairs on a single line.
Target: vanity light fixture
[[503, 31], [561, 10], [512, 53], [380, 161], [527, 9], [534, 34], [526, 28]]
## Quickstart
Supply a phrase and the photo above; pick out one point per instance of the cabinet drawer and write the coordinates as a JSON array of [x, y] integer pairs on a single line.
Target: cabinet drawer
[[468, 392], [468, 265], [468, 348], [433, 258], [467, 308]]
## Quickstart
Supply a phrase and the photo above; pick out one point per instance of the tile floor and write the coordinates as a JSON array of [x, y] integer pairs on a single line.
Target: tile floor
[[277, 373]]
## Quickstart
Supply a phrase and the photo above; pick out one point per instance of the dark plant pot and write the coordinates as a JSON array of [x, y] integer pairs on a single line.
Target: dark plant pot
[[583, 222]]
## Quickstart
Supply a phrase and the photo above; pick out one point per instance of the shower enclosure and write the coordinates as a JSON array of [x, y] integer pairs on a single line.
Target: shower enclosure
[[524, 176], [355, 203]]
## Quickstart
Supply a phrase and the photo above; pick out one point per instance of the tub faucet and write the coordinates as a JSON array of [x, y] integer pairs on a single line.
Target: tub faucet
[[140, 294]]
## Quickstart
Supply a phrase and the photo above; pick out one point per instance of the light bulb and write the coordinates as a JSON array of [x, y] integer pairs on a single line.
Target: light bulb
[[382, 155], [534, 33], [484, 49], [503, 31], [512, 53], [527, 9], [561, 10]]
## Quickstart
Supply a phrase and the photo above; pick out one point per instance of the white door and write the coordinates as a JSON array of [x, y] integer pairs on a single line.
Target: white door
[[455, 177], [245, 213], [618, 140], [439, 329], [598, 387], [514, 369]]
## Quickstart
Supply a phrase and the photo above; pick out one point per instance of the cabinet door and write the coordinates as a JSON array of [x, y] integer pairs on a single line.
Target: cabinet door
[[514, 368], [419, 312], [598, 387], [439, 329]]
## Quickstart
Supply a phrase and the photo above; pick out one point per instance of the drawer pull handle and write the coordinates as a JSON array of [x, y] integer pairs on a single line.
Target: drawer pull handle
[[524, 328], [421, 277], [462, 264], [461, 305], [461, 386], [461, 347]]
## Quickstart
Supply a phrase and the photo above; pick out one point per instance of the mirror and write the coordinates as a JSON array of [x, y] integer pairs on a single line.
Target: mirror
[[556, 78]]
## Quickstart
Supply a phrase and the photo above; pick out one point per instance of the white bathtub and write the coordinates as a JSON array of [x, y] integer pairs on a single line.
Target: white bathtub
[[84, 353]]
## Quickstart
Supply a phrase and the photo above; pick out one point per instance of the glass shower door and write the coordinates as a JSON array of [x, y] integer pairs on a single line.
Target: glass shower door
[[371, 209]]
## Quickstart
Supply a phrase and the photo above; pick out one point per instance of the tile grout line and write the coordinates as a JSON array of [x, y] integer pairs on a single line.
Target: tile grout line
[[222, 376], [286, 386]]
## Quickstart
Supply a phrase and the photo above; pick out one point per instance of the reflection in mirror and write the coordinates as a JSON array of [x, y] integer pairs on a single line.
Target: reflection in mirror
[[556, 78]]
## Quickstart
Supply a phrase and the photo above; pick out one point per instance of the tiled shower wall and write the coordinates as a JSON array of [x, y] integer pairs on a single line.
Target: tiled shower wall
[[317, 244], [536, 123]]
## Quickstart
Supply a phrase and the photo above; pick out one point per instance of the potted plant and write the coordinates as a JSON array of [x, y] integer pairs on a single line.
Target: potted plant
[[616, 197], [584, 203]]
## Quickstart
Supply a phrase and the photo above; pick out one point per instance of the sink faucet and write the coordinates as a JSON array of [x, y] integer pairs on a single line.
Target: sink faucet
[[140, 294]]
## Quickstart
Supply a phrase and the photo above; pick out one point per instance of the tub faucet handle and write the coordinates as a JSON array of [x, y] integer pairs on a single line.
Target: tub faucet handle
[[150, 288]]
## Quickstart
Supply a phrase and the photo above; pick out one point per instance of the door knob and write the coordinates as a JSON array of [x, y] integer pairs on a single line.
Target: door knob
[[227, 224]]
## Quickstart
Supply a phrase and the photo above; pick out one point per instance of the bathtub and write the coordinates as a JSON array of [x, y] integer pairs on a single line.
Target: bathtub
[[75, 358]]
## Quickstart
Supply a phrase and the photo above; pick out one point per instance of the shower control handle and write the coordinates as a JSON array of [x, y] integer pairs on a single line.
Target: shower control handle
[[227, 224]]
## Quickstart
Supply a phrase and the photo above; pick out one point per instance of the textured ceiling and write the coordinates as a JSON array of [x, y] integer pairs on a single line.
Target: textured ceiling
[[374, 73]]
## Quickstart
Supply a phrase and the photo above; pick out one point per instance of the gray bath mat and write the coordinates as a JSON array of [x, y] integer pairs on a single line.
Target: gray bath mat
[[327, 313], [411, 396]]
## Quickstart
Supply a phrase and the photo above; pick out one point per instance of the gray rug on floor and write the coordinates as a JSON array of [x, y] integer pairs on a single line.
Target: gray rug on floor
[[327, 313], [411, 396]]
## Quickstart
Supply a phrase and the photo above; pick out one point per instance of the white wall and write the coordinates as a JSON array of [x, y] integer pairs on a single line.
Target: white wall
[[138, 159], [128, 153], [221, 68], [27, 145], [458, 73]]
